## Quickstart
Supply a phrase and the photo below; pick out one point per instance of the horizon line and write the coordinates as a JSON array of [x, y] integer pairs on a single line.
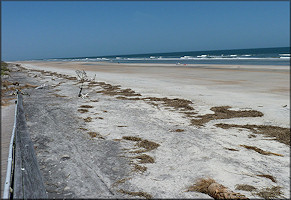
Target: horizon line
[[161, 53]]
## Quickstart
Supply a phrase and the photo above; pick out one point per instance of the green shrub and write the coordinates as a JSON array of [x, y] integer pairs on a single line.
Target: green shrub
[[4, 69]]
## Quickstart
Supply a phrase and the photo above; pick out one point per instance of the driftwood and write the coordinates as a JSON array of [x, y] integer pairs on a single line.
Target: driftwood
[[41, 87], [82, 76], [215, 190], [80, 93]]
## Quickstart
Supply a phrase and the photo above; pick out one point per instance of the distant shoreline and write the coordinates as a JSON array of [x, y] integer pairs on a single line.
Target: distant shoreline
[[260, 56], [279, 68], [250, 50]]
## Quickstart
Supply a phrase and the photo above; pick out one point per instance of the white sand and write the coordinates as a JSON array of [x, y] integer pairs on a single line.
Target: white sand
[[184, 157]]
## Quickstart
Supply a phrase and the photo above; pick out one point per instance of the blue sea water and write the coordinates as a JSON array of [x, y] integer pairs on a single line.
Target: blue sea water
[[260, 56]]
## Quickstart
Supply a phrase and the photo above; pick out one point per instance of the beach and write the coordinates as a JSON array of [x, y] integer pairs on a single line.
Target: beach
[[153, 130]]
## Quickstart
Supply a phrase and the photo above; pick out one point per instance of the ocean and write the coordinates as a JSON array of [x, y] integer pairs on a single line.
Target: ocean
[[259, 56]]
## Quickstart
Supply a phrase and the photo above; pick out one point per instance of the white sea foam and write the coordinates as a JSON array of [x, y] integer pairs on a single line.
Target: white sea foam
[[187, 57], [202, 56]]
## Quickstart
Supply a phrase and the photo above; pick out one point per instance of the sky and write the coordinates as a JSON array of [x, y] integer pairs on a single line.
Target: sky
[[61, 29]]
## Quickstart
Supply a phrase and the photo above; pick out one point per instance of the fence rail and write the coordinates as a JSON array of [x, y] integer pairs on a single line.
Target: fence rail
[[23, 179]]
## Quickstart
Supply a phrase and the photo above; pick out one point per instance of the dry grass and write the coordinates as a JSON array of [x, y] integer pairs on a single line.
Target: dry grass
[[48, 73], [12, 86], [5, 101], [245, 187], [223, 112], [215, 190], [5, 84], [270, 192], [140, 194], [86, 106], [143, 158], [260, 150], [4, 68], [83, 110], [268, 176], [279, 133], [8, 87]]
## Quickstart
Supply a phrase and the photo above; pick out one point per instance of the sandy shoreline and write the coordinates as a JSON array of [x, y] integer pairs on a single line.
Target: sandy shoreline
[[161, 107], [262, 89]]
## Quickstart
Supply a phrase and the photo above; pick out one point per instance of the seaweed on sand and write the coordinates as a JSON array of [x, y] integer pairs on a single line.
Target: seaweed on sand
[[149, 145], [88, 119], [272, 178], [95, 134], [260, 150], [278, 133], [140, 194], [83, 110], [86, 106], [139, 168], [270, 192], [245, 187], [143, 158], [131, 138], [223, 112]]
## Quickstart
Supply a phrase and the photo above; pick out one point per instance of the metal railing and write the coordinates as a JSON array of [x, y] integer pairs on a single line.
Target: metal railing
[[23, 178], [9, 174]]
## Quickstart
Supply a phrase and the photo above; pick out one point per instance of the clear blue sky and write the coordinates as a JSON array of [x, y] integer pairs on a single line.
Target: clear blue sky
[[35, 29]]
